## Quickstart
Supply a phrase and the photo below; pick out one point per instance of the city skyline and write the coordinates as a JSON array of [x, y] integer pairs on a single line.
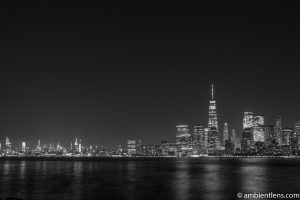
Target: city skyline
[[208, 137], [102, 73], [149, 100]]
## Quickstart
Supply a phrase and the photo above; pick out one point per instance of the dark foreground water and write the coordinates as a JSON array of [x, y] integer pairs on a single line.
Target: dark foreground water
[[148, 179]]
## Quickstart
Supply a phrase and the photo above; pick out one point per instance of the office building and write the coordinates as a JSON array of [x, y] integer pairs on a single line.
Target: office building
[[131, 147], [248, 120], [225, 134], [183, 134], [198, 133], [23, 147], [212, 112]]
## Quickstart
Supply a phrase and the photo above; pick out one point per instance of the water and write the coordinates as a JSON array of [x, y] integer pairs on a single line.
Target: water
[[148, 179]]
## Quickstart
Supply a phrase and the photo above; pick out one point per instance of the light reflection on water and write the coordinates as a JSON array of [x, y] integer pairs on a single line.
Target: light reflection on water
[[180, 179], [181, 182]]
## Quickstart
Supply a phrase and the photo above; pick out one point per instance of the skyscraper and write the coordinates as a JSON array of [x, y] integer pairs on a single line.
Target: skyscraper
[[225, 133], [258, 129], [233, 137], [23, 147], [183, 134], [198, 133], [7, 143], [297, 131], [79, 146], [212, 112], [213, 133], [206, 137], [131, 147], [38, 147], [248, 120], [278, 130]]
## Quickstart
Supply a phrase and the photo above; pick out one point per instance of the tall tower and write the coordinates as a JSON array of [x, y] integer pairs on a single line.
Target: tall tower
[[225, 133], [183, 134], [278, 130], [234, 139], [212, 112]]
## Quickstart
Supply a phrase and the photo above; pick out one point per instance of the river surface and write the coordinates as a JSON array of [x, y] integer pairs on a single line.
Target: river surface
[[180, 179]]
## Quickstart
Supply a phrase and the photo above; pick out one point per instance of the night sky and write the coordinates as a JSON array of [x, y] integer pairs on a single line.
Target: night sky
[[108, 72]]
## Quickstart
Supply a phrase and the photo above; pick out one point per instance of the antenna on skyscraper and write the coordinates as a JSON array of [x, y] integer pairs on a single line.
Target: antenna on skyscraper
[[212, 91]]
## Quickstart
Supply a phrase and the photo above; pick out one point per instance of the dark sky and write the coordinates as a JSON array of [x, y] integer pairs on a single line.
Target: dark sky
[[107, 72]]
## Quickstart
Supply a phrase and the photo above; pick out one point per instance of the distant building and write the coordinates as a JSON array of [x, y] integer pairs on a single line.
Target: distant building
[[23, 147], [183, 134], [139, 147], [258, 133], [131, 147], [225, 134], [38, 146], [247, 143], [248, 120], [229, 147], [297, 131], [79, 146], [198, 134], [213, 132], [119, 150], [212, 112], [7, 143], [294, 142], [278, 131], [213, 140], [234, 139], [286, 132]]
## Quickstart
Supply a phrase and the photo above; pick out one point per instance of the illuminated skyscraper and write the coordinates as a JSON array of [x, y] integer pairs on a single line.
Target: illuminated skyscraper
[[79, 146], [297, 131], [206, 137], [183, 134], [278, 131], [258, 129], [139, 147], [213, 139], [198, 134], [233, 136], [225, 133], [213, 133], [212, 112], [248, 120], [38, 147], [258, 133], [23, 147], [7, 143], [131, 147], [286, 132]]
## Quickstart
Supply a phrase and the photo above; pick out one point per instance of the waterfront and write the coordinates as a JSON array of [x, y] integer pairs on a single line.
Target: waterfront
[[209, 178]]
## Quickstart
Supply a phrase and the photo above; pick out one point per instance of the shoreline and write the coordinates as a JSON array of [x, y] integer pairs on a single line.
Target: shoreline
[[57, 158]]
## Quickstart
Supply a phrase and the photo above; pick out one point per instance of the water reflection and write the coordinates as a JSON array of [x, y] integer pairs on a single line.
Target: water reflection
[[152, 179], [253, 177], [211, 181], [181, 181], [76, 186]]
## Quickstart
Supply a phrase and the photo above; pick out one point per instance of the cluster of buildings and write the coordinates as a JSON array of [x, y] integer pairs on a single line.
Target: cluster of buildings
[[256, 139], [76, 149]]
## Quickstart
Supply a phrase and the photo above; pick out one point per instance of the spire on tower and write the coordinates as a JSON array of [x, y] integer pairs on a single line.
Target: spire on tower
[[212, 91]]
